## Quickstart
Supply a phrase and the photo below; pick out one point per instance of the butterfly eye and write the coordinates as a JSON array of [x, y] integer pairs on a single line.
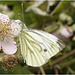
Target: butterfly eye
[[45, 50]]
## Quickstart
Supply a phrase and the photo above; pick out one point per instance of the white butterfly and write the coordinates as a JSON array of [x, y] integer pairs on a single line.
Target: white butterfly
[[37, 46]]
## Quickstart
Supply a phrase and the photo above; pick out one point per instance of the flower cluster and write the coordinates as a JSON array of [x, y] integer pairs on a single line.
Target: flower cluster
[[8, 29], [4, 25]]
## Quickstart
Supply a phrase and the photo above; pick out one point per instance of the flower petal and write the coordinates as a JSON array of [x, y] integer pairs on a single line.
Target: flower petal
[[9, 46], [16, 28]]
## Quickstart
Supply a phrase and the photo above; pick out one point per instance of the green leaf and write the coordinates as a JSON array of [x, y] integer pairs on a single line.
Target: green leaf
[[16, 70], [9, 2], [19, 70]]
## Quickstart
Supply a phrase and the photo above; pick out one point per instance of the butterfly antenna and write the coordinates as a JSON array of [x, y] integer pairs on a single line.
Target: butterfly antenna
[[22, 13]]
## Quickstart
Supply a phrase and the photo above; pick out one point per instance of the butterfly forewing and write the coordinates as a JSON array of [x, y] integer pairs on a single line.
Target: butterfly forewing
[[37, 47], [29, 45]]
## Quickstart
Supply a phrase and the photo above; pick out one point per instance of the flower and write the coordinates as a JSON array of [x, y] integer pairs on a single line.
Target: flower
[[7, 43], [8, 46], [5, 28], [66, 32], [16, 28]]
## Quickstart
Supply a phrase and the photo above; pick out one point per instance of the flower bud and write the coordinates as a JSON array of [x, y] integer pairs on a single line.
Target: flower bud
[[66, 32], [9, 61]]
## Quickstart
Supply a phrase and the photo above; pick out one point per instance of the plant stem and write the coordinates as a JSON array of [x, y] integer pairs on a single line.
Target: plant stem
[[42, 70], [57, 61]]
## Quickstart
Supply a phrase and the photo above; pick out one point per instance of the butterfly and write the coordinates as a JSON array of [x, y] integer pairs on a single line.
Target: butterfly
[[38, 46]]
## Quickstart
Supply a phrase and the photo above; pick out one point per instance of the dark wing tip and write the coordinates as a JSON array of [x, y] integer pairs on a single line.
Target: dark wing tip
[[61, 44]]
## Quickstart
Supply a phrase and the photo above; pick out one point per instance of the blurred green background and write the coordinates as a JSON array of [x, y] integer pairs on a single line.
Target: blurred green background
[[59, 21]]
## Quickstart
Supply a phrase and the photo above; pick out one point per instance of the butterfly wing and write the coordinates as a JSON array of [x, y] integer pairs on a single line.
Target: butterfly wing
[[37, 47]]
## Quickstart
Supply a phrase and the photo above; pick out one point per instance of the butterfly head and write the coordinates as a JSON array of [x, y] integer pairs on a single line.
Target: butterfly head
[[23, 26]]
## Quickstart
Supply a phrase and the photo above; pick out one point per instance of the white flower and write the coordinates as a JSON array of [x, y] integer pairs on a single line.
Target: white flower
[[7, 43]]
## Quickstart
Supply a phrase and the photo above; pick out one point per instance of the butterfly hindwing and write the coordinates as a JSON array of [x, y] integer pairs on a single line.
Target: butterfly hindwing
[[37, 47]]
